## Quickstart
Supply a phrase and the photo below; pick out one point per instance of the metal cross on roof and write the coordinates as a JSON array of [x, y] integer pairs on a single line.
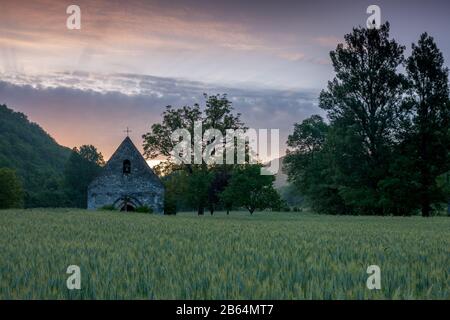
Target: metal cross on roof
[[127, 131]]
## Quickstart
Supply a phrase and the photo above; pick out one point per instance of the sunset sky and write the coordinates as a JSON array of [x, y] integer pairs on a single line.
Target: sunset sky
[[132, 58]]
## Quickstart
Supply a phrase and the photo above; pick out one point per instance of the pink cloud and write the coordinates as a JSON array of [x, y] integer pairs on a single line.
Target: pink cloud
[[327, 41]]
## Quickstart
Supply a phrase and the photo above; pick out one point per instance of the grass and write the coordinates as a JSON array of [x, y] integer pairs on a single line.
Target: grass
[[264, 256]]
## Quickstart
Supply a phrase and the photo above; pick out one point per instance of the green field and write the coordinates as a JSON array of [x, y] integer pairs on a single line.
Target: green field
[[264, 256]]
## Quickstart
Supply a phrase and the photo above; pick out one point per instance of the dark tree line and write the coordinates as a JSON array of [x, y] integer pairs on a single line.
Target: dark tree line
[[387, 138], [83, 165]]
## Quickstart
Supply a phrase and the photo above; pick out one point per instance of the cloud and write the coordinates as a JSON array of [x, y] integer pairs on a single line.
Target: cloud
[[86, 108], [328, 41], [216, 42], [292, 56]]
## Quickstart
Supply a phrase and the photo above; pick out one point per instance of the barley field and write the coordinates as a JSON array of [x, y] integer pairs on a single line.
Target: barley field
[[264, 256]]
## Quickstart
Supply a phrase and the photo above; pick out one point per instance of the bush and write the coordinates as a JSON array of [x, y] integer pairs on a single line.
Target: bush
[[170, 206], [144, 209], [281, 206], [11, 192]]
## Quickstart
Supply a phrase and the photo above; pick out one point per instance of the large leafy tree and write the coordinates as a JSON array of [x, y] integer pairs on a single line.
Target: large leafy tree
[[310, 163], [11, 193], [363, 104], [304, 144], [249, 189], [429, 114], [82, 167], [386, 149], [218, 113], [308, 136]]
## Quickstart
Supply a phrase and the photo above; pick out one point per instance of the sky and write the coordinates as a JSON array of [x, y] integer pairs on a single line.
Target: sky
[[132, 58]]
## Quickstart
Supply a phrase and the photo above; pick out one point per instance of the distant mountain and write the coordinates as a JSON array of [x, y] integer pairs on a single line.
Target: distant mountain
[[287, 191], [280, 177], [35, 155]]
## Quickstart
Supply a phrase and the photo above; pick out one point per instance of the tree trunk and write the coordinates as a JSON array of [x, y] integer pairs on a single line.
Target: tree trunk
[[228, 211], [425, 202], [426, 209], [425, 175], [201, 210]]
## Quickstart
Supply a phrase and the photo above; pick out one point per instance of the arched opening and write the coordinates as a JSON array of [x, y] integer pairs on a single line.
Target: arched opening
[[127, 203], [126, 169], [127, 208]]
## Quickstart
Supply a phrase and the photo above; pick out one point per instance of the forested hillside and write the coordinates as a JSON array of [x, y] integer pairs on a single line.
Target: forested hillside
[[35, 155]]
